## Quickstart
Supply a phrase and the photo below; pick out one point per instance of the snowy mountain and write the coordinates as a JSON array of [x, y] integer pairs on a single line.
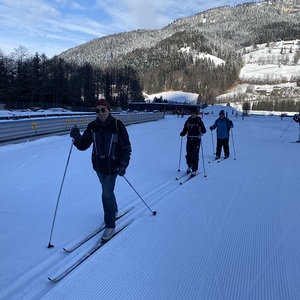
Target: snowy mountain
[[270, 72], [242, 23], [199, 53]]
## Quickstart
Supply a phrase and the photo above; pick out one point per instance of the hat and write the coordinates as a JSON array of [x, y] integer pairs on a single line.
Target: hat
[[103, 102], [222, 112], [193, 110]]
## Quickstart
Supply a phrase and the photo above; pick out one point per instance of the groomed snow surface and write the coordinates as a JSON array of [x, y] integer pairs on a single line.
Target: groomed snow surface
[[233, 234]]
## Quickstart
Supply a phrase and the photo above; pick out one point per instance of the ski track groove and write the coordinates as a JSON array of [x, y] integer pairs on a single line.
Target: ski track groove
[[225, 287], [60, 259], [167, 187], [233, 289], [25, 280], [51, 265], [273, 238], [220, 264]]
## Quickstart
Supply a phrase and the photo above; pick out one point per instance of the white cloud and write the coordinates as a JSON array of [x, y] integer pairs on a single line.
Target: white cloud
[[63, 24], [77, 6]]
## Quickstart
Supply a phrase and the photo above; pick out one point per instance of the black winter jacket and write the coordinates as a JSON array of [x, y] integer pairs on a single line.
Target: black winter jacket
[[111, 145], [193, 127]]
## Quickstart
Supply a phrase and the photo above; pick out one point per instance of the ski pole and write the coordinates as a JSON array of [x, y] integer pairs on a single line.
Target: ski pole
[[153, 212], [286, 128], [180, 154], [61, 186], [202, 158], [233, 144], [212, 140]]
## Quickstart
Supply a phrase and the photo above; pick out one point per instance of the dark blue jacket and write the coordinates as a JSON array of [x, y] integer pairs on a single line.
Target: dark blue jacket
[[193, 127]]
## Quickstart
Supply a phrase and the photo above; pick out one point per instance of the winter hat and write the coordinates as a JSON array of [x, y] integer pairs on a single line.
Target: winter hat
[[222, 112], [193, 110], [103, 102]]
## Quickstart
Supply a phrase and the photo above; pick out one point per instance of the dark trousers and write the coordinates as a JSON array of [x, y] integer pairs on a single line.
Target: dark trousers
[[192, 153], [108, 198], [222, 143]]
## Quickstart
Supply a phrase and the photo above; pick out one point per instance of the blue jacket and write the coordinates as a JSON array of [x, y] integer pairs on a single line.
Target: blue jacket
[[223, 126]]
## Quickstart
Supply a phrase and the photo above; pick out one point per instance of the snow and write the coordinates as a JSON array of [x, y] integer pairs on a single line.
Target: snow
[[175, 96], [230, 235], [202, 55], [4, 113], [268, 66], [269, 72]]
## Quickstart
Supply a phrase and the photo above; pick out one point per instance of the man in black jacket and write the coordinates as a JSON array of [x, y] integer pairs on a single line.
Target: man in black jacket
[[110, 157], [194, 128]]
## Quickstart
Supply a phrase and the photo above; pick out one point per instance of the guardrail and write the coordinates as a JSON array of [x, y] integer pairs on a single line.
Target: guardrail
[[33, 127]]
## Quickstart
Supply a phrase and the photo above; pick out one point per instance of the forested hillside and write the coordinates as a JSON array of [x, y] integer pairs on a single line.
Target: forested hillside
[[220, 32]]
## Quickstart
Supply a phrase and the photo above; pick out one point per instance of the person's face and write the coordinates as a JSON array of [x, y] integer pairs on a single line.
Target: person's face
[[221, 116], [102, 113]]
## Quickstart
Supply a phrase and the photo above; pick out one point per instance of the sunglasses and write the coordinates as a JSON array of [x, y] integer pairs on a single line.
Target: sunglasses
[[103, 110]]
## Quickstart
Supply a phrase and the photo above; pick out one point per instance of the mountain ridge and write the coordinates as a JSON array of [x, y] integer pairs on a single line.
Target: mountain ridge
[[222, 32], [122, 43]]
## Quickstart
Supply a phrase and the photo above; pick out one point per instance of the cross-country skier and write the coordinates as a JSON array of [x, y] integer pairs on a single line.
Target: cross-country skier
[[110, 157], [223, 126], [296, 118], [194, 128]]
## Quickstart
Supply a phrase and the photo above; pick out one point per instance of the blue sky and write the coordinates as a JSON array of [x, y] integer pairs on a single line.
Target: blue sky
[[52, 26]]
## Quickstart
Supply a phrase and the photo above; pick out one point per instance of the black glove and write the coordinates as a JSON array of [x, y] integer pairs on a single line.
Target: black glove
[[182, 134], [75, 134], [121, 171], [211, 128]]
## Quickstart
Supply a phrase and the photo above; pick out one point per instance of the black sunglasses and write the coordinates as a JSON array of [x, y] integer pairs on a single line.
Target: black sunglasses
[[103, 110]]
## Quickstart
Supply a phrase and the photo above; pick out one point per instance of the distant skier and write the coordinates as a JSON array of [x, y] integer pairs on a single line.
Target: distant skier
[[296, 118], [223, 126], [110, 156], [194, 128]]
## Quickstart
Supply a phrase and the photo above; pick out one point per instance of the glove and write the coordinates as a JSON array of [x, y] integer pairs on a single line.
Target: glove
[[121, 171], [211, 128], [182, 134], [75, 134]]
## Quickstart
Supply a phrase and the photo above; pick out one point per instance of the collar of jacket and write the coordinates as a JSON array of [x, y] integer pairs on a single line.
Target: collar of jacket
[[98, 122]]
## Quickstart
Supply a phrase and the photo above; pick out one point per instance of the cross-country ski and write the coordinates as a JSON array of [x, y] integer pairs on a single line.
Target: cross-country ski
[[95, 232], [100, 244]]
